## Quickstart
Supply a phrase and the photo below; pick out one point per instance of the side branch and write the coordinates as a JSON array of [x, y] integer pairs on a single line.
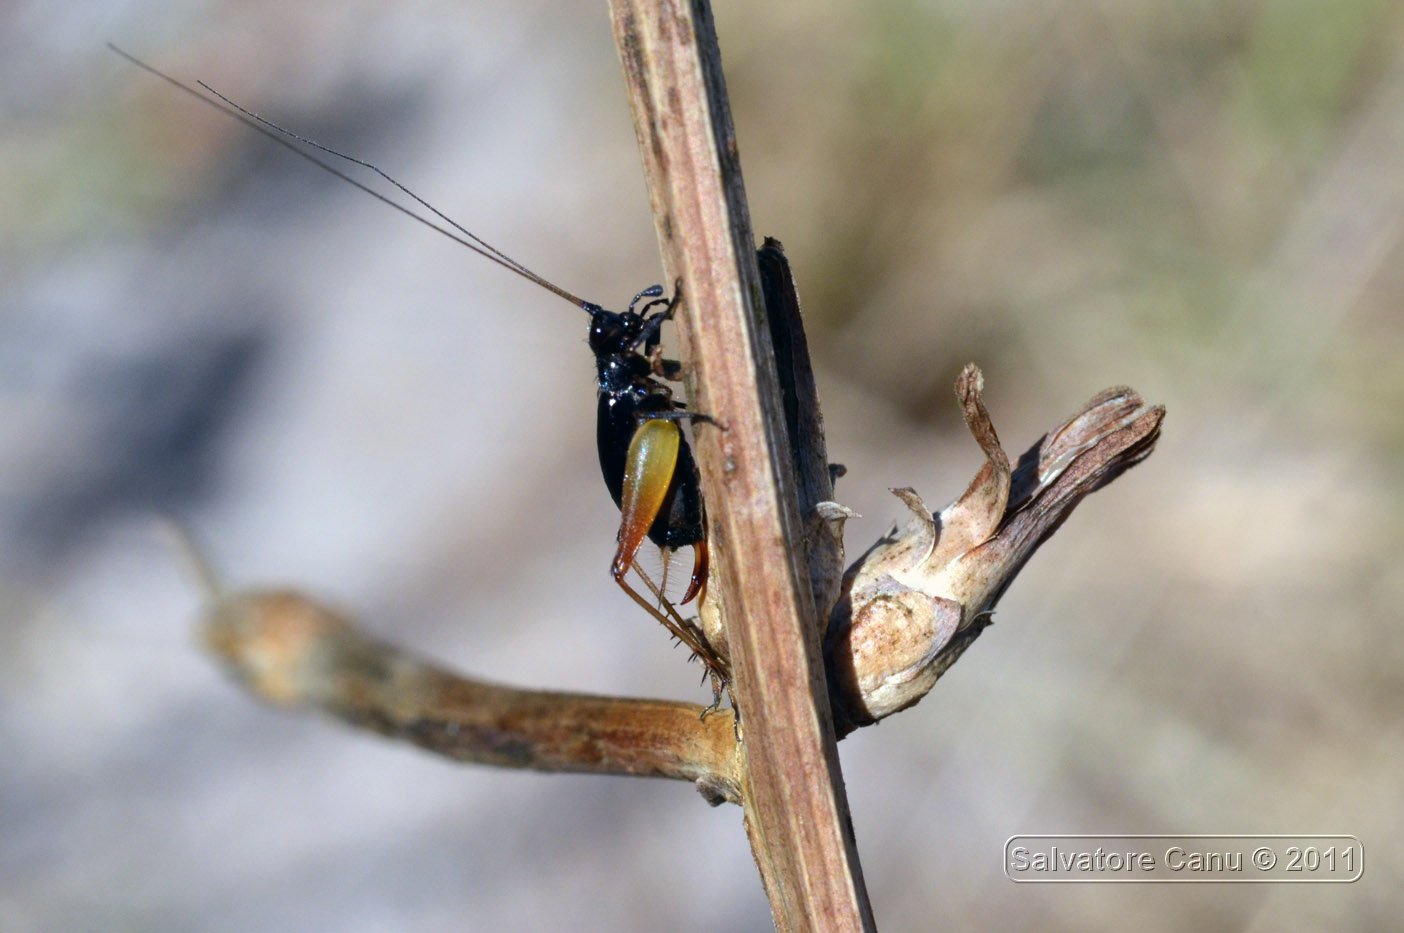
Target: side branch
[[292, 652]]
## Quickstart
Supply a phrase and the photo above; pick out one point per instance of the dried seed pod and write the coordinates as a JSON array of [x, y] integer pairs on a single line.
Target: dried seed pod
[[924, 592]]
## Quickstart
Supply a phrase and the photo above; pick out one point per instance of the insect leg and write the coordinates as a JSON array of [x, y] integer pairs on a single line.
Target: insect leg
[[681, 629], [648, 334], [648, 473], [700, 554], [662, 368], [680, 413], [701, 560], [669, 304]]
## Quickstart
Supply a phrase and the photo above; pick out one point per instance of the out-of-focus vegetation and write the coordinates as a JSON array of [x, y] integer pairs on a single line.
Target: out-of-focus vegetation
[[1202, 200]]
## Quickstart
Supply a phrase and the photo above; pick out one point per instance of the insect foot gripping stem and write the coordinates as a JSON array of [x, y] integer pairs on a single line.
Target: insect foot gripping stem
[[922, 594]]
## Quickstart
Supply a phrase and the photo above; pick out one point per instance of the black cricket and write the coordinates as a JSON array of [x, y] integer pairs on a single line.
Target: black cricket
[[637, 414], [629, 394]]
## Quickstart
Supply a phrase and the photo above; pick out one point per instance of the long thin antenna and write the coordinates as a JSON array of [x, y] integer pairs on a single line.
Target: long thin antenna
[[284, 138]]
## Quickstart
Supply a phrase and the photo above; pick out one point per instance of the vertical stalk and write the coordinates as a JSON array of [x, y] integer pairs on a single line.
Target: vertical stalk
[[796, 810]]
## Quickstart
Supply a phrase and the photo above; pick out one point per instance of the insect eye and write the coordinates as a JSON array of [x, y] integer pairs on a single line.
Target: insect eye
[[606, 333]]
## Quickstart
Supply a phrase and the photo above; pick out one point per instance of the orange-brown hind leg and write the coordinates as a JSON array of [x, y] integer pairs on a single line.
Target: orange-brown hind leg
[[651, 460]]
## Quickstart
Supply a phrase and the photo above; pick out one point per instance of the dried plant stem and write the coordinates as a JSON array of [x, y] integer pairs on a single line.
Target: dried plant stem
[[293, 652], [792, 790]]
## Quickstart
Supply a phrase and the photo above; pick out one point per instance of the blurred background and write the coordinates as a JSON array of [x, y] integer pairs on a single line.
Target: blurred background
[[1200, 200]]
